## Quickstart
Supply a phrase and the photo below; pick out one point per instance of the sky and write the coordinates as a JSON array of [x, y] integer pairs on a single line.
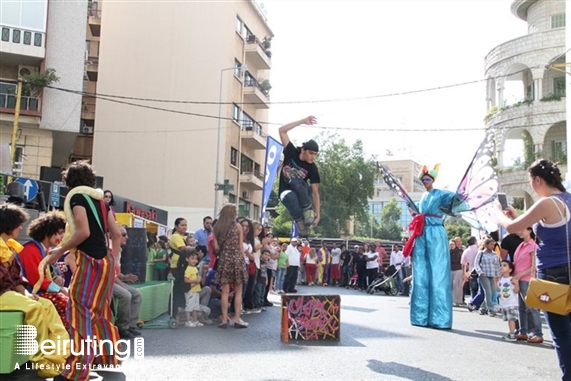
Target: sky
[[343, 50]]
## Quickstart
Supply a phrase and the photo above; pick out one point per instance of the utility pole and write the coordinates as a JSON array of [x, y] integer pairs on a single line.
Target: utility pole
[[15, 126]]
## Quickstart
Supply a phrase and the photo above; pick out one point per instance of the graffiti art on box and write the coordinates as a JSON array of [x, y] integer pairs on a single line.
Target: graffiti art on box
[[310, 317]]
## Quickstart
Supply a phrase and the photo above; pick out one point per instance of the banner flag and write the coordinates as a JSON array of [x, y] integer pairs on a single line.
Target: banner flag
[[273, 154]]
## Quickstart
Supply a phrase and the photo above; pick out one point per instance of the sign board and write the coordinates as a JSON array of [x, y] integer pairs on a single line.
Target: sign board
[[310, 317], [30, 188], [54, 195]]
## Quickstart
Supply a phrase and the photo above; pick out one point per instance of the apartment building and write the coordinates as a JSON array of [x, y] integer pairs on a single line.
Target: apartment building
[[537, 118], [194, 81], [35, 35], [406, 171]]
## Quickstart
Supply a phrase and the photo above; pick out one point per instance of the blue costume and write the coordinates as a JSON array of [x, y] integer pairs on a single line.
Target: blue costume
[[431, 298]]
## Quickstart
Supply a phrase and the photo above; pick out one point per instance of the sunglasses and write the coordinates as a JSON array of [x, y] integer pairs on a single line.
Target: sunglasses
[[426, 180]]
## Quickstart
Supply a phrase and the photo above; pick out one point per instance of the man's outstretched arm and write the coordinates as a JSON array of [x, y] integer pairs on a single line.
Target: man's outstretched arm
[[310, 120], [316, 202]]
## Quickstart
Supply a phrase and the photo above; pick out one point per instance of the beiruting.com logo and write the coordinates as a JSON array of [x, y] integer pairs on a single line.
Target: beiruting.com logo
[[26, 344]]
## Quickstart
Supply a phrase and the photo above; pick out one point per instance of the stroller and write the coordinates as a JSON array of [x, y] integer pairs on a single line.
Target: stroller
[[385, 281]]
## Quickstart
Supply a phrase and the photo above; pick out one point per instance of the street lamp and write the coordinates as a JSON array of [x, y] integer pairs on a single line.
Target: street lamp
[[241, 69]]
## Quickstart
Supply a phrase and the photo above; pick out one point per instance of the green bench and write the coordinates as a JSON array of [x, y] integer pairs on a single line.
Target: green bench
[[155, 295]]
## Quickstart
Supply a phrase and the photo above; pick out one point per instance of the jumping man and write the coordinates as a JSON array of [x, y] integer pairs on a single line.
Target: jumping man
[[300, 199]]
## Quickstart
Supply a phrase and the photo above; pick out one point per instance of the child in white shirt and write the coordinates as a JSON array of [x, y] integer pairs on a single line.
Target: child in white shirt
[[508, 290]]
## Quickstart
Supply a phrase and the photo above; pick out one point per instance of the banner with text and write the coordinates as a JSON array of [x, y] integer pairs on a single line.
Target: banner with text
[[273, 153]]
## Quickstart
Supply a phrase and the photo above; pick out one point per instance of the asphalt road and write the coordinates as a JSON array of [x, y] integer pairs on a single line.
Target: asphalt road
[[377, 343]]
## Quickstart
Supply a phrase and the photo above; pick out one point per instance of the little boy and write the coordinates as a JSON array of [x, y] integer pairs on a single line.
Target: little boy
[[192, 296], [508, 290], [261, 281]]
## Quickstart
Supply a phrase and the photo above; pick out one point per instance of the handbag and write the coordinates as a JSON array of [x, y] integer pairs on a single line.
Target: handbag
[[551, 296]]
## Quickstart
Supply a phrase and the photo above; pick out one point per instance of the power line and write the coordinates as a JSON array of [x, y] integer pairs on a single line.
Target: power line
[[369, 97]]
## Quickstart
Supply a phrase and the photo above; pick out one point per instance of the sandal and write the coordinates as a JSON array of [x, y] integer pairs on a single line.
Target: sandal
[[223, 325], [240, 324]]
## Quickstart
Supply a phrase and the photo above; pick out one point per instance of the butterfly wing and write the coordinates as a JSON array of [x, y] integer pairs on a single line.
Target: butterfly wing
[[482, 218], [397, 188], [480, 184]]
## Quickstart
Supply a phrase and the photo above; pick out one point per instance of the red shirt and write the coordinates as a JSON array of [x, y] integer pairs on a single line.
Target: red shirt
[[30, 258]]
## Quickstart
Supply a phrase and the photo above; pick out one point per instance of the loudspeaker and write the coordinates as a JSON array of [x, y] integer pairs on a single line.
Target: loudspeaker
[[134, 254]]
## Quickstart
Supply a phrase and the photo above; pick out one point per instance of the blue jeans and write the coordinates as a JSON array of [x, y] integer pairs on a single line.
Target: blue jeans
[[526, 326], [559, 325], [280, 274], [487, 284], [476, 292], [259, 292], [299, 199]]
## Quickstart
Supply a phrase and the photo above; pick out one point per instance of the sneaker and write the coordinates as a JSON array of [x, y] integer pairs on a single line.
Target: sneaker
[[206, 321], [308, 217], [510, 337], [189, 324], [482, 312], [268, 304], [134, 331], [256, 310], [303, 229], [198, 324], [535, 340], [521, 337], [492, 314], [125, 334], [471, 307]]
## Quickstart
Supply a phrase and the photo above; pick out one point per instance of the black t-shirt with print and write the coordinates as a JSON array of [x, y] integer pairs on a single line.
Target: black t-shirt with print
[[510, 243], [95, 245], [294, 168]]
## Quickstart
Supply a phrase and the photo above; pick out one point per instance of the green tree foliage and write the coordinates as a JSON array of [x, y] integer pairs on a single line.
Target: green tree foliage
[[281, 223], [457, 227], [33, 84], [346, 184], [390, 221]]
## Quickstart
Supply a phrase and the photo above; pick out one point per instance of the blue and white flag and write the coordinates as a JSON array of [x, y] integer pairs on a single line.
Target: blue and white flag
[[294, 230], [273, 153]]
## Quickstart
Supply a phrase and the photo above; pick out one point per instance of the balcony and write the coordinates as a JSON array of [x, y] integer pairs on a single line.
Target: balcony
[[92, 68], [88, 111], [257, 54], [94, 21], [254, 92], [537, 113], [22, 43], [252, 135], [28, 105], [253, 179]]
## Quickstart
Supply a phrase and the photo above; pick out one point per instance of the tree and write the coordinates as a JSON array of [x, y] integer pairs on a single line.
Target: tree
[[346, 184], [33, 84], [457, 227], [390, 221]]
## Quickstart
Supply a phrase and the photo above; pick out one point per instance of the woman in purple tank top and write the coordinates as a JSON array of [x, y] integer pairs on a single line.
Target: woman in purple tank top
[[549, 216]]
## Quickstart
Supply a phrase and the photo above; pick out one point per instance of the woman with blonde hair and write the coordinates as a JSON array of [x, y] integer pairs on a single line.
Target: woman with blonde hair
[[310, 267], [227, 242]]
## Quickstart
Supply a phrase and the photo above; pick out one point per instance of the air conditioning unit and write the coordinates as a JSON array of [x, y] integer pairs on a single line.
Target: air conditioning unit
[[27, 69], [246, 194], [87, 130]]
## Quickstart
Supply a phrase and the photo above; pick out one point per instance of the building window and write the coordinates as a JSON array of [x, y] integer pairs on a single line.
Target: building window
[[231, 198], [237, 69], [16, 36], [559, 86], [239, 25], [244, 208], [248, 35], [246, 164], [5, 34], [256, 210], [530, 92], [559, 150], [233, 156], [247, 122], [558, 21], [37, 39], [531, 28], [236, 113], [27, 38]]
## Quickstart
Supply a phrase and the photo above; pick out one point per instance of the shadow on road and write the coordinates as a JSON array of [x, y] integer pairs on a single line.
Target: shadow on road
[[404, 371]]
